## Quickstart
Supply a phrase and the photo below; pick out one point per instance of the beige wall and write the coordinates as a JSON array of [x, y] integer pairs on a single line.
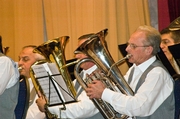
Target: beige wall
[[21, 22]]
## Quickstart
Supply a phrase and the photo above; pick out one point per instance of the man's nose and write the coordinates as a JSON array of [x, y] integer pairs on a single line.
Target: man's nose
[[127, 48], [20, 62], [162, 45]]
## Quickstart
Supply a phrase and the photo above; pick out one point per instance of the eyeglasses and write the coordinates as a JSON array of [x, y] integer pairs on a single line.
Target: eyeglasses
[[133, 46]]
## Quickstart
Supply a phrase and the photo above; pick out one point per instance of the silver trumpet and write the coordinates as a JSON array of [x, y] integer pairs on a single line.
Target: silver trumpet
[[108, 73]]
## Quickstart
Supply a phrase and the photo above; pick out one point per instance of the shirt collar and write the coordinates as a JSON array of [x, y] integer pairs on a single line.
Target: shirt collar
[[143, 66]]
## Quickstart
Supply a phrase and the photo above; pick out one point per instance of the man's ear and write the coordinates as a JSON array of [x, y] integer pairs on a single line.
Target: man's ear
[[149, 50]]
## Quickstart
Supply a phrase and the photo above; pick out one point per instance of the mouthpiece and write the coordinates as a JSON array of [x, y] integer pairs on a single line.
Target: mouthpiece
[[123, 59], [19, 68], [119, 62], [69, 64], [128, 56]]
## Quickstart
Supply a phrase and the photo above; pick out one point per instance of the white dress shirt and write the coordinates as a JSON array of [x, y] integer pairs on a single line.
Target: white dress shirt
[[9, 73], [157, 87], [84, 108], [33, 110]]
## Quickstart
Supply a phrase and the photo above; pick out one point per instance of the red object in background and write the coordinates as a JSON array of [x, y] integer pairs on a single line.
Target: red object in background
[[163, 14]]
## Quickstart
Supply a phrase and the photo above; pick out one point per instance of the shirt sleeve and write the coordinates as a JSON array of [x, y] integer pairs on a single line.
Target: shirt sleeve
[[6, 72], [34, 112], [84, 108], [157, 87]]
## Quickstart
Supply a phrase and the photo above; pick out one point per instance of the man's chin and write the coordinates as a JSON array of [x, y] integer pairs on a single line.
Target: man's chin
[[130, 61], [23, 74]]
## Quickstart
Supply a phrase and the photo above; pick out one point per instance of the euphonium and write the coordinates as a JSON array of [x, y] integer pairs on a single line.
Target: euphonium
[[99, 54], [53, 51]]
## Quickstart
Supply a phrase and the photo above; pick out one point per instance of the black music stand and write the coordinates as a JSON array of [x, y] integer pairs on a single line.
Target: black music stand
[[122, 48], [175, 51], [162, 57], [51, 83]]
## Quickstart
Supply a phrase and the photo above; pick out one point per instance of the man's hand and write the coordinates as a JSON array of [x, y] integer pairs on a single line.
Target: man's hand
[[41, 103], [95, 89]]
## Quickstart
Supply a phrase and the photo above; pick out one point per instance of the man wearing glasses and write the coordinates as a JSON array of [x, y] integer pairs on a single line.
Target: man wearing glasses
[[152, 84]]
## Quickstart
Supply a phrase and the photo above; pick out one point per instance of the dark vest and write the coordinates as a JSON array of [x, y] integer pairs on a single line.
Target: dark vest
[[8, 101], [167, 108]]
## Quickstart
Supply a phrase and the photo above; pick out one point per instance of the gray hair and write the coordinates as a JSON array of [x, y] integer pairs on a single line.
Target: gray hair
[[153, 38]]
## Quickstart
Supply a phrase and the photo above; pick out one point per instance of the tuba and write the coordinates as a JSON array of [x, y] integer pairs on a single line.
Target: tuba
[[109, 72], [53, 51]]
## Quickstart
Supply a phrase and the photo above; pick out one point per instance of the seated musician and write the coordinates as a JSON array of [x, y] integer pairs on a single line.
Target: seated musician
[[152, 84], [84, 108], [26, 59]]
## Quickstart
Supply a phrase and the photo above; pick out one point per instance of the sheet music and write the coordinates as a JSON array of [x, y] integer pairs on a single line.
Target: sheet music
[[54, 93], [59, 79]]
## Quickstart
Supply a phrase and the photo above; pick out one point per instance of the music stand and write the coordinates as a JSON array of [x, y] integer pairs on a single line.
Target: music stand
[[175, 51], [51, 84], [122, 48], [162, 57]]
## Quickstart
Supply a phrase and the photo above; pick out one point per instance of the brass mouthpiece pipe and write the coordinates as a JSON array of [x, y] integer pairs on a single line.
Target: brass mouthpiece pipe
[[69, 64], [119, 62]]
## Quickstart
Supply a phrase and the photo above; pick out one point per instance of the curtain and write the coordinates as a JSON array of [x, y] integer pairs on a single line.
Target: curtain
[[174, 9], [22, 22], [163, 14], [168, 11]]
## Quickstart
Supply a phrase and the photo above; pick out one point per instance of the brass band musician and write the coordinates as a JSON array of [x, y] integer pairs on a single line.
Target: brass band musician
[[26, 59], [84, 108], [151, 82]]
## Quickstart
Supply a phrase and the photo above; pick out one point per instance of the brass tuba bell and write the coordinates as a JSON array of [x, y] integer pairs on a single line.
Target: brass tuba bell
[[53, 51]]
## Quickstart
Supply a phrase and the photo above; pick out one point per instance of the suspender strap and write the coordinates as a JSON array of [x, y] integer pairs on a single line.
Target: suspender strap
[[32, 96], [78, 87], [156, 63], [131, 75]]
